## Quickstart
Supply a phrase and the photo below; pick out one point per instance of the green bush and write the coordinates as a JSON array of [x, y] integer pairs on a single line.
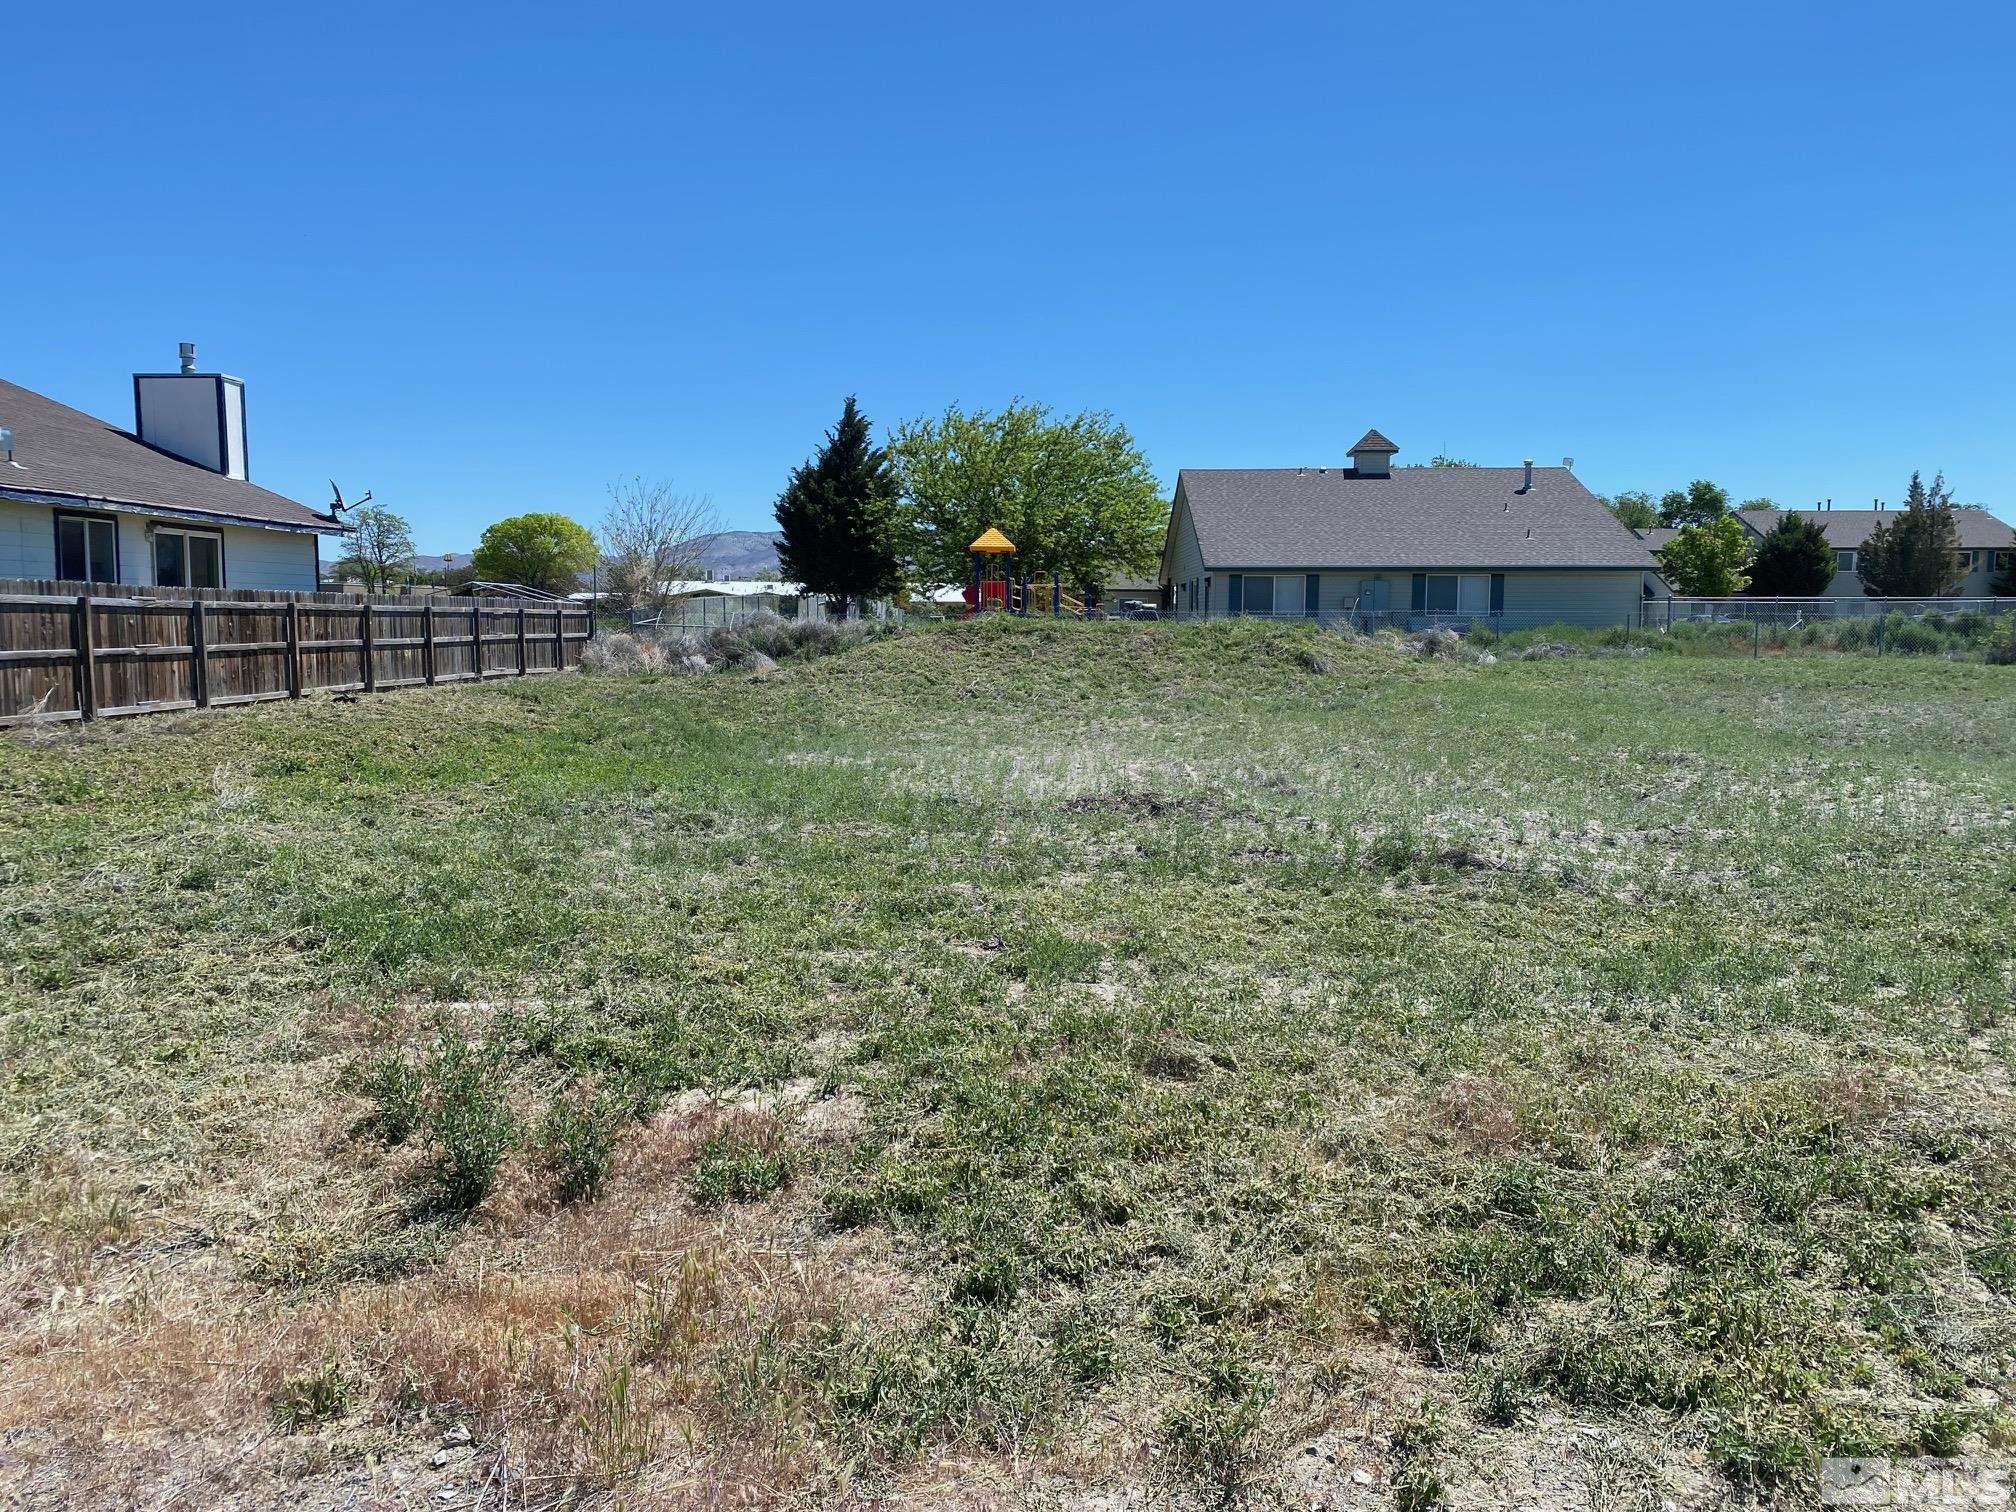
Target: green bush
[[468, 1118], [577, 1141], [394, 1084]]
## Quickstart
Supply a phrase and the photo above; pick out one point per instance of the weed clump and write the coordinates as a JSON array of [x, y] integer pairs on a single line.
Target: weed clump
[[746, 1160], [318, 1396], [468, 1119], [577, 1141]]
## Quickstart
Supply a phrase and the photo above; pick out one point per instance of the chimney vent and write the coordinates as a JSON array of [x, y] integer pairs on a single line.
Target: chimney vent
[[188, 358], [1528, 485], [7, 446]]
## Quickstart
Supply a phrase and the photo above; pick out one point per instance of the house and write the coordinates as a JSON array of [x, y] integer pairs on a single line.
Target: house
[[1654, 537], [169, 503], [1374, 544], [1985, 542]]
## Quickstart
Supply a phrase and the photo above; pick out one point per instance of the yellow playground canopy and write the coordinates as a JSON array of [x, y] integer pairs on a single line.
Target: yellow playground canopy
[[993, 543]]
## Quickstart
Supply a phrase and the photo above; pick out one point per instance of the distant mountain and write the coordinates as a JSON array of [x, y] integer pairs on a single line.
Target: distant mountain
[[442, 562], [731, 554]]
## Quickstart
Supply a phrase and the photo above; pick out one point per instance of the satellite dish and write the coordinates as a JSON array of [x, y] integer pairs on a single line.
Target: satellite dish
[[337, 505]]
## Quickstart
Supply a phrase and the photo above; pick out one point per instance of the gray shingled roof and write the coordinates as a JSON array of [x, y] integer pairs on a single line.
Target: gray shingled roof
[[65, 452], [1373, 441], [1655, 536], [1849, 528], [1311, 517]]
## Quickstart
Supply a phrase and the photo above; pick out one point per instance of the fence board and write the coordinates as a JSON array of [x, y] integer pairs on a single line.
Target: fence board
[[71, 651]]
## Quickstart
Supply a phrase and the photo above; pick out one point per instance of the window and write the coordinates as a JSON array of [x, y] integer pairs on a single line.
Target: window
[[87, 548], [188, 558], [1844, 561], [1451, 594], [1268, 594]]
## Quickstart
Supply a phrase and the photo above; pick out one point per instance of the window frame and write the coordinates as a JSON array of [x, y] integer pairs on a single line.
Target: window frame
[[188, 533], [90, 517]]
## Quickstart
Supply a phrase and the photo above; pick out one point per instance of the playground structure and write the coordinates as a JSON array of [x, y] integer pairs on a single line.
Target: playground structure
[[996, 585]]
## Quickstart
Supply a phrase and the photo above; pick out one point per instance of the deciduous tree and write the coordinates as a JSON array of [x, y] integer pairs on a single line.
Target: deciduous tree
[[545, 551], [1698, 504], [379, 548], [1075, 495], [646, 534], [1634, 508], [838, 516], [1706, 561]]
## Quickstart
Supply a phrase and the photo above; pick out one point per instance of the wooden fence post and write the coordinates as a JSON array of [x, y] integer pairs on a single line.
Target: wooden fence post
[[559, 640], [370, 648], [427, 640], [294, 648], [476, 641], [521, 641], [87, 660], [199, 653]]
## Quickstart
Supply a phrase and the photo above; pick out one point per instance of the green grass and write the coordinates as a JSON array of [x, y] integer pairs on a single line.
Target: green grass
[[1231, 1004]]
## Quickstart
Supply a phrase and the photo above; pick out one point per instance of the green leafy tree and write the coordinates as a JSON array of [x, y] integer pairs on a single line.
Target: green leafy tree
[[1075, 495], [1752, 506], [838, 516], [1698, 504], [1634, 509], [1707, 560], [1443, 459], [1793, 560], [547, 551], [1916, 554], [378, 549]]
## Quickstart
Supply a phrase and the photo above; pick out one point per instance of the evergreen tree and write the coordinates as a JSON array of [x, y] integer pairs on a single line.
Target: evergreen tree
[[1793, 560], [1917, 554], [837, 514]]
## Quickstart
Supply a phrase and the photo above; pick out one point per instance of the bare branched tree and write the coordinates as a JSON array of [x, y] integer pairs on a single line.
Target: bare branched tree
[[648, 535], [379, 548]]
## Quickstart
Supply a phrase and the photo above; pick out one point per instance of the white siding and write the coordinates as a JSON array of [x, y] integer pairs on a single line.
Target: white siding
[[27, 541], [268, 559], [253, 558]]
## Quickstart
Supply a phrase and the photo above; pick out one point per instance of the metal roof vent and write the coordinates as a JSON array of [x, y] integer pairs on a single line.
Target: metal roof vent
[[188, 357]]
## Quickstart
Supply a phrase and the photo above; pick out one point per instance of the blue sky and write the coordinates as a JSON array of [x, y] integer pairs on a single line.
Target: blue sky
[[486, 259]]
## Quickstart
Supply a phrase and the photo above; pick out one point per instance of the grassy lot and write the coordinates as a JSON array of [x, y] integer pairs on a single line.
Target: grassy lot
[[1087, 1064]]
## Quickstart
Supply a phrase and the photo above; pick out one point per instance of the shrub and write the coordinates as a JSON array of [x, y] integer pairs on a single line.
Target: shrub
[[578, 1143], [469, 1120], [624, 655]]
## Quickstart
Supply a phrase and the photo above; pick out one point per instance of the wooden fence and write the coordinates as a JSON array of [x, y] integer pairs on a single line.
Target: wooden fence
[[85, 651]]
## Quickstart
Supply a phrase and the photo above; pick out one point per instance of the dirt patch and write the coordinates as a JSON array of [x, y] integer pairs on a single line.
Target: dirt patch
[[1146, 805]]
